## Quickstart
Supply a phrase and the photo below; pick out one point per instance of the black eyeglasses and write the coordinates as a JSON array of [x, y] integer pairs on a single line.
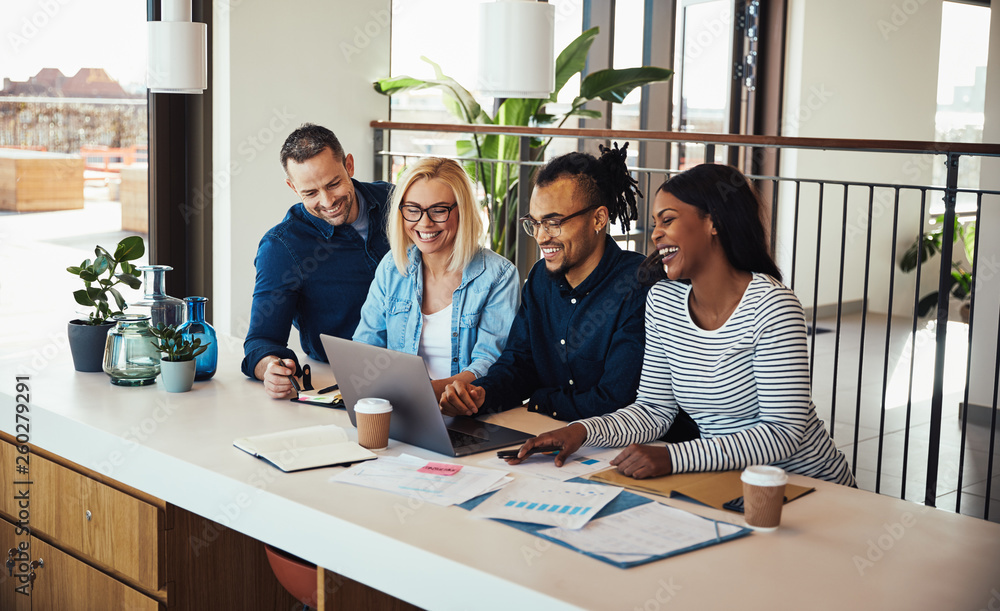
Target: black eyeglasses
[[553, 227], [437, 213]]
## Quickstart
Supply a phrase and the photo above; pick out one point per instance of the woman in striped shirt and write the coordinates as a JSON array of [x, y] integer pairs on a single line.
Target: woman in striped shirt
[[727, 345]]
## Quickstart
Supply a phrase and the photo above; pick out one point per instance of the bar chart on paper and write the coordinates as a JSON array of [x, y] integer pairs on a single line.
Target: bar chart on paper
[[562, 504]]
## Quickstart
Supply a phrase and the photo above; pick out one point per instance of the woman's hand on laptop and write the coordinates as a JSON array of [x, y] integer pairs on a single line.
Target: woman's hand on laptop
[[462, 399], [567, 440]]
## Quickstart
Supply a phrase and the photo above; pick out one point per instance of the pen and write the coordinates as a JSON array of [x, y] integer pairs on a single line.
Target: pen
[[295, 383], [328, 389]]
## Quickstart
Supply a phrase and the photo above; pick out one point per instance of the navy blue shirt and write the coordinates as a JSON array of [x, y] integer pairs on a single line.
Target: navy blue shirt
[[575, 352], [315, 276]]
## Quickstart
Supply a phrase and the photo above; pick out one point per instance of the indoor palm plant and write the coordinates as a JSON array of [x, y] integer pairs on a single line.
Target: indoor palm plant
[[177, 365], [926, 246], [501, 186], [100, 276]]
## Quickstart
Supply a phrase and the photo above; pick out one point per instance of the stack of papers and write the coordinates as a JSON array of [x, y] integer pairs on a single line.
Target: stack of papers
[[581, 464], [648, 531], [546, 502], [431, 481]]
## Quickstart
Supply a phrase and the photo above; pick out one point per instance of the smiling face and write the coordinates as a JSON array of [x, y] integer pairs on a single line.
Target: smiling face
[[431, 238], [683, 236], [578, 248], [324, 184]]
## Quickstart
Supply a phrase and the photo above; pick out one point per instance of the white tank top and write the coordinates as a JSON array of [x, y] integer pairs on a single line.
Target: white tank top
[[435, 343]]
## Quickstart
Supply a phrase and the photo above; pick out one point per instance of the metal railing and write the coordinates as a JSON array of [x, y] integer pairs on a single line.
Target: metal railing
[[819, 225]]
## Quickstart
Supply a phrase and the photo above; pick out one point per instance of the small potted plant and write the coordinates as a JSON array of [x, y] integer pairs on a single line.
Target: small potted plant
[[177, 366], [100, 276]]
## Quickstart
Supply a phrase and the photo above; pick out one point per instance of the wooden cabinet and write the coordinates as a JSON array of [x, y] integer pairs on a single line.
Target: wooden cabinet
[[108, 546]]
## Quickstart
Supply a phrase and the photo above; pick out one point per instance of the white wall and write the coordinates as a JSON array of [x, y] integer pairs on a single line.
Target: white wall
[[276, 66], [856, 69], [984, 343]]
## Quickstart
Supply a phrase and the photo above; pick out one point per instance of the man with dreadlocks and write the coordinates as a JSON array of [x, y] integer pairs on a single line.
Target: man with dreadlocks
[[576, 344]]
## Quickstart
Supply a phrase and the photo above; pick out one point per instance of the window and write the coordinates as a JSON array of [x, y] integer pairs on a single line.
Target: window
[[73, 134], [961, 96]]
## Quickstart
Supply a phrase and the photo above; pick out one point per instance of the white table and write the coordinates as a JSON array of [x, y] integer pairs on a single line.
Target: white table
[[837, 548]]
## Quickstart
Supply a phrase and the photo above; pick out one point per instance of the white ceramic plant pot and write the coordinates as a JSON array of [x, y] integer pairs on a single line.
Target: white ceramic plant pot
[[177, 376]]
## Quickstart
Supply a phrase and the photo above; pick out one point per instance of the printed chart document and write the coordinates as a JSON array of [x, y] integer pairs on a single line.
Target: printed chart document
[[647, 531], [547, 502], [305, 448], [581, 464], [431, 481]]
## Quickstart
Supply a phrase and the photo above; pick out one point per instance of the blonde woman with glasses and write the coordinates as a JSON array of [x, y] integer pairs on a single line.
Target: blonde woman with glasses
[[438, 293]]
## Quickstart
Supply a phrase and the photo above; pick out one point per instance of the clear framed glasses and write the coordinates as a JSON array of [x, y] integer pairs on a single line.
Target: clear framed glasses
[[553, 227], [438, 213]]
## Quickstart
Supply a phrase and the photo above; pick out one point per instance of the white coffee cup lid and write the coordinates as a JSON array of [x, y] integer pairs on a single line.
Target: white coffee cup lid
[[764, 475], [372, 405]]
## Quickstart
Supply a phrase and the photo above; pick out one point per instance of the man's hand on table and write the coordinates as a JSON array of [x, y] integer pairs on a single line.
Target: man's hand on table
[[567, 439], [462, 399], [274, 373]]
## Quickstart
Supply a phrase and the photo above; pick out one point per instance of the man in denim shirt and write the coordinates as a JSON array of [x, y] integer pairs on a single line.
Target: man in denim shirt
[[315, 266], [576, 345]]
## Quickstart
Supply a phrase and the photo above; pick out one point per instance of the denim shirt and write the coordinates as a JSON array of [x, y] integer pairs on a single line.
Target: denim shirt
[[574, 352], [483, 307], [315, 276]]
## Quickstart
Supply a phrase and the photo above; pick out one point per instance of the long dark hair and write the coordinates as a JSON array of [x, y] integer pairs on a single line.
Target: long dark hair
[[601, 182], [722, 192]]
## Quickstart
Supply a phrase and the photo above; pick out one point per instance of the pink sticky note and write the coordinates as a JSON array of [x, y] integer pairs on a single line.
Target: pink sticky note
[[438, 468]]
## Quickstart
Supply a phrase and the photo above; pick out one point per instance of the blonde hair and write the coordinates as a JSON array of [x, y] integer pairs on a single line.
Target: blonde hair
[[470, 225]]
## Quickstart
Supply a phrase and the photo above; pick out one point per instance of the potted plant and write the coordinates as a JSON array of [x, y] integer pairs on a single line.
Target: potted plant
[[177, 366], [100, 276], [926, 246], [499, 185]]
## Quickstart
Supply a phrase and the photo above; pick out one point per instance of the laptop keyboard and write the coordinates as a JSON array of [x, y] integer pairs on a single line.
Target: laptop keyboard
[[461, 440]]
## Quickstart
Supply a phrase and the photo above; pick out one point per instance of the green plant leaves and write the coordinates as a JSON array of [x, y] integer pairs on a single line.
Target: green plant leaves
[[130, 280], [130, 249], [572, 60], [83, 298], [613, 85], [119, 300]]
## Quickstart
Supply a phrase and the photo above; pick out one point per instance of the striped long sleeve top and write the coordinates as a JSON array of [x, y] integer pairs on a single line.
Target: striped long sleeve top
[[745, 384]]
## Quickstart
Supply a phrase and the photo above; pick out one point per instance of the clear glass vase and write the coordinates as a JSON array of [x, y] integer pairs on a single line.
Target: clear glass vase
[[197, 328], [160, 307], [130, 357]]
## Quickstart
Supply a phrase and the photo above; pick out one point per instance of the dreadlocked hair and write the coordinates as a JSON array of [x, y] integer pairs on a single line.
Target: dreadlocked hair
[[599, 182]]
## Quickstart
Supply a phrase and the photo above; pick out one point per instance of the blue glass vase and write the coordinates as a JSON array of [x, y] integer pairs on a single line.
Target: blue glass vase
[[197, 328]]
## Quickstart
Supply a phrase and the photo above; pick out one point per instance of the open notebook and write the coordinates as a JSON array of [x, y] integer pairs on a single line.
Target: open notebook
[[305, 448]]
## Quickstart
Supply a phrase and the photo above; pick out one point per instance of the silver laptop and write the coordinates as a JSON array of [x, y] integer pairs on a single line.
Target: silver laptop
[[369, 371]]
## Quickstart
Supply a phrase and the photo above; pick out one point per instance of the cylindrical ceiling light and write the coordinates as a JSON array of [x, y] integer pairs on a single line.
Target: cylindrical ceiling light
[[516, 40], [178, 51]]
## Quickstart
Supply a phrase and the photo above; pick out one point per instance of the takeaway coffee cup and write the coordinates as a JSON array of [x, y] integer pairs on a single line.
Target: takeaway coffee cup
[[372, 417], [763, 496]]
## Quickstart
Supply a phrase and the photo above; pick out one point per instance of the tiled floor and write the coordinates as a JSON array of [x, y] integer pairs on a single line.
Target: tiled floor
[[904, 411], [36, 299]]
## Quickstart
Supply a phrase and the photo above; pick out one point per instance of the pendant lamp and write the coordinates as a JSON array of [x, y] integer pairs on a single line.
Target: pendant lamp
[[178, 51], [516, 58]]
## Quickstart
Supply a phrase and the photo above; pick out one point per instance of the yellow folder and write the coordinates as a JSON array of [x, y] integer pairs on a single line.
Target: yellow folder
[[712, 488]]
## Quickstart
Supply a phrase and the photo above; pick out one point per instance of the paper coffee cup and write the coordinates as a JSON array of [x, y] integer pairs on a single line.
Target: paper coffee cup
[[763, 496], [372, 417]]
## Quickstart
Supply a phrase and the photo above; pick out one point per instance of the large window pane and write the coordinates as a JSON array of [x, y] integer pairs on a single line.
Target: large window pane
[[73, 152]]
